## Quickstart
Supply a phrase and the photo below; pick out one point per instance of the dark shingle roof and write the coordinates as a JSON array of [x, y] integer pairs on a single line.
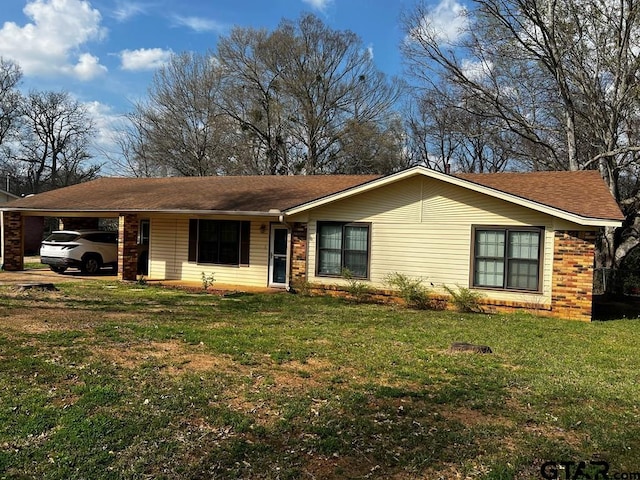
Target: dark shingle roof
[[583, 192], [228, 193]]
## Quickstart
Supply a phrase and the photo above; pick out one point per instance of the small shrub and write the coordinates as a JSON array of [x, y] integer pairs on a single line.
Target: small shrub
[[411, 290], [302, 287], [207, 281], [358, 290], [465, 299], [141, 280]]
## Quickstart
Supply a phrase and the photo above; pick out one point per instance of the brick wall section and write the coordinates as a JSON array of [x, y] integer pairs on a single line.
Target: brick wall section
[[572, 282], [78, 223], [128, 247], [298, 268], [13, 259]]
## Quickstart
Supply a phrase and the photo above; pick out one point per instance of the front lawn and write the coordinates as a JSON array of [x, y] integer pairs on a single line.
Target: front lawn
[[109, 380]]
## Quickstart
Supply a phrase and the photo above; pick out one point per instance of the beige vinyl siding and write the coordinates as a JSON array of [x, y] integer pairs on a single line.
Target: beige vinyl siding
[[169, 249], [396, 203], [431, 236]]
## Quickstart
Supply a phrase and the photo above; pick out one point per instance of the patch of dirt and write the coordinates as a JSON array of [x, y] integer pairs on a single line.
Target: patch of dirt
[[175, 354], [321, 466], [471, 418], [46, 319], [448, 472], [25, 322], [296, 374]]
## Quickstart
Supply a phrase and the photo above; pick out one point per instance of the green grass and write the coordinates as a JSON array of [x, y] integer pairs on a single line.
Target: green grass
[[107, 380], [35, 266]]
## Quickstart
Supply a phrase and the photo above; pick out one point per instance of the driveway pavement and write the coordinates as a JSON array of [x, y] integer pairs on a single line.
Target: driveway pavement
[[47, 276]]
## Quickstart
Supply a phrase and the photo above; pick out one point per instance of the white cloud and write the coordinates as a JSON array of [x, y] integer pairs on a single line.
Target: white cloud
[[446, 22], [476, 70], [370, 51], [104, 121], [126, 10], [319, 4], [105, 147], [144, 58], [199, 24], [48, 45], [88, 67]]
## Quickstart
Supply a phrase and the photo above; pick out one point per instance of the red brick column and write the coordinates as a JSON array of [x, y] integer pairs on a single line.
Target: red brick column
[[128, 247], [13, 259], [298, 268], [572, 282]]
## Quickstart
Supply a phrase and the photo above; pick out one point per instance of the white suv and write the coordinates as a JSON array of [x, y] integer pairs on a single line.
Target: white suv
[[88, 250]]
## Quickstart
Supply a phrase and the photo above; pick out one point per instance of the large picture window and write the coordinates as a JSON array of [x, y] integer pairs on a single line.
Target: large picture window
[[224, 242], [507, 258], [343, 246]]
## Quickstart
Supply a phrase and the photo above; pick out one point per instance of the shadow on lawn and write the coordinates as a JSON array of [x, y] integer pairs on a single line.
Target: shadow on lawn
[[615, 307]]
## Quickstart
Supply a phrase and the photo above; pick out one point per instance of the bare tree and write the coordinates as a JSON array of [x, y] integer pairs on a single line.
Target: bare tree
[[179, 128], [445, 135], [367, 147], [332, 84], [299, 90], [10, 76], [286, 101], [53, 141], [561, 75], [253, 97]]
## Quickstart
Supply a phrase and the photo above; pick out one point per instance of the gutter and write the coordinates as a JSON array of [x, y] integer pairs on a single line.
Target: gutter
[[111, 212]]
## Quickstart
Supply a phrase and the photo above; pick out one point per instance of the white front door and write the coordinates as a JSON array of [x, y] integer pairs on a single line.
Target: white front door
[[278, 256]]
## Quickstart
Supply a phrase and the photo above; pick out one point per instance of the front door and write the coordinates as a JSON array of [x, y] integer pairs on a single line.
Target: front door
[[278, 256]]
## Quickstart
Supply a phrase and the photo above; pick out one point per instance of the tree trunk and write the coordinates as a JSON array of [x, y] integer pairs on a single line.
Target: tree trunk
[[572, 151]]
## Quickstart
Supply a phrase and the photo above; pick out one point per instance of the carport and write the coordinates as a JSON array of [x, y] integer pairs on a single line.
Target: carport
[[13, 232]]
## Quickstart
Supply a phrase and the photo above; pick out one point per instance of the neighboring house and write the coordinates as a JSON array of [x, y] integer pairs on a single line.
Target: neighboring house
[[525, 240], [6, 196]]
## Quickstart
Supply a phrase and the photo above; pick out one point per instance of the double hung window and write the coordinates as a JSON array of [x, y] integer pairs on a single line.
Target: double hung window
[[507, 258], [343, 246]]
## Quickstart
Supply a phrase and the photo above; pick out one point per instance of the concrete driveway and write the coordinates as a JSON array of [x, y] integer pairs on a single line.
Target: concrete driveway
[[47, 276]]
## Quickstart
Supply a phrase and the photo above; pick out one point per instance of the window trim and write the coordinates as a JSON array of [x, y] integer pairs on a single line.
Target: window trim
[[319, 223], [244, 242], [506, 229]]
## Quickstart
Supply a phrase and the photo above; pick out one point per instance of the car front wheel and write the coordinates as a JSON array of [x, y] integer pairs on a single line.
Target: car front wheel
[[91, 265], [58, 269]]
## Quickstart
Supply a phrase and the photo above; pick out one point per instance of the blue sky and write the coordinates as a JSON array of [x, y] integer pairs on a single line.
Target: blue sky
[[104, 52]]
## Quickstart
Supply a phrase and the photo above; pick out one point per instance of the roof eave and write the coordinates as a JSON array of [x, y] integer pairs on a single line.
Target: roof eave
[[596, 222], [111, 212]]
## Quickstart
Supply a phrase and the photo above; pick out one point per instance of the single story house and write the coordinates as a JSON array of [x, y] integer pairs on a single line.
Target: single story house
[[525, 240]]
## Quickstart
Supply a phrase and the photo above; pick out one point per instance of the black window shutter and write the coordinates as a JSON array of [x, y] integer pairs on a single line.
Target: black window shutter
[[193, 239], [245, 228]]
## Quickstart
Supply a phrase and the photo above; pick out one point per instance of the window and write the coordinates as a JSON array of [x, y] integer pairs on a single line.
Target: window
[[343, 246], [224, 242], [143, 232], [507, 258]]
